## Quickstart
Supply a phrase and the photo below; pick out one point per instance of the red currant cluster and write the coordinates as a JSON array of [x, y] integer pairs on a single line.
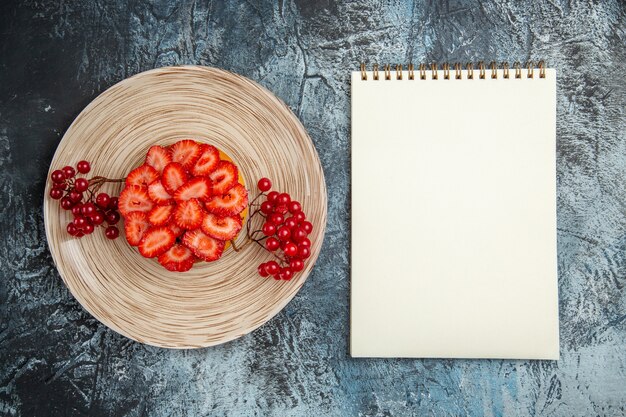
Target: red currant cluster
[[285, 230], [80, 195]]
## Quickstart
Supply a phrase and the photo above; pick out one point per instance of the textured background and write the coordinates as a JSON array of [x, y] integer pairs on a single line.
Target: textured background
[[55, 57]]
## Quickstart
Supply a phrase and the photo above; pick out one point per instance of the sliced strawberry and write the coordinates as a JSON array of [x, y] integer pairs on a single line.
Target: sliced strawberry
[[135, 225], [222, 228], [134, 198], [209, 158], [143, 176], [158, 157], [158, 193], [173, 177], [178, 231], [198, 187], [229, 204], [186, 152], [156, 241], [188, 214], [203, 246], [160, 215], [224, 176], [178, 258]]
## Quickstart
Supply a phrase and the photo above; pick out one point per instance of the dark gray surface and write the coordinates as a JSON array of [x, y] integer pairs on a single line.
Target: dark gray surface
[[57, 56]]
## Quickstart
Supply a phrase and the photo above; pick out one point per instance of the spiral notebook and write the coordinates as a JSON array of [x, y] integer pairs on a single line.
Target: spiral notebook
[[454, 212]]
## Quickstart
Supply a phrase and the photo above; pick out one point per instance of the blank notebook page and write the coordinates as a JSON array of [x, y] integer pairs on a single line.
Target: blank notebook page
[[454, 217]]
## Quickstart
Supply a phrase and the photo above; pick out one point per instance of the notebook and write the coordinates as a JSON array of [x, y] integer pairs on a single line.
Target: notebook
[[454, 212]]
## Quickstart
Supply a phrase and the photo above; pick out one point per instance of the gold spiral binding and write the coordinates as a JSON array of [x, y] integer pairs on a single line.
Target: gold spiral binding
[[494, 70], [446, 71], [458, 70]]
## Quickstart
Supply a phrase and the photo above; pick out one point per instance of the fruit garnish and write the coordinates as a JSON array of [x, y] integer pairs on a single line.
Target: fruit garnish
[[143, 176], [160, 215], [89, 208], [158, 193], [186, 152], [233, 202], [178, 258], [188, 214], [224, 177], [135, 225], [222, 228], [203, 246], [158, 157], [174, 176], [198, 187], [134, 198], [209, 158], [156, 241]]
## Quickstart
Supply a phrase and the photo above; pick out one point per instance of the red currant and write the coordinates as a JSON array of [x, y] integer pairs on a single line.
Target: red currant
[[83, 167], [291, 249], [112, 217], [56, 193], [299, 217], [71, 229], [266, 207], [294, 207], [307, 226], [291, 222], [298, 234], [296, 264], [272, 244], [79, 234], [81, 184], [80, 222], [283, 198], [88, 228], [77, 209], [262, 269], [305, 243], [112, 232], [269, 229], [66, 203], [283, 233], [69, 172], [89, 209], [280, 209], [264, 184], [57, 176], [60, 186], [272, 196], [103, 200], [287, 273], [75, 196], [97, 218], [304, 252], [276, 219], [272, 267], [113, 203]]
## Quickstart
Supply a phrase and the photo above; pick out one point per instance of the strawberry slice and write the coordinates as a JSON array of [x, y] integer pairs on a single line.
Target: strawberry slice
[[158, 157], [186, 152], [158, 193], [224, 176], [173, 177], [175, 229], [160, 215], [178, 258], [135, 225], [222, 228], [198, 187], [209, 158], [203, 246], [142, 175], [134, 198], [156, 241], [229, 204], [188, 214]]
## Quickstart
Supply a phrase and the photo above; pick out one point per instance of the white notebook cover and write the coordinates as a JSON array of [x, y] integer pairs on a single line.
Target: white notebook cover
[[454, 217]]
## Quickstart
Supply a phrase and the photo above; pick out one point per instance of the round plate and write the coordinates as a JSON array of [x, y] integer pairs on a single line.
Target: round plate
[[214, 302]]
